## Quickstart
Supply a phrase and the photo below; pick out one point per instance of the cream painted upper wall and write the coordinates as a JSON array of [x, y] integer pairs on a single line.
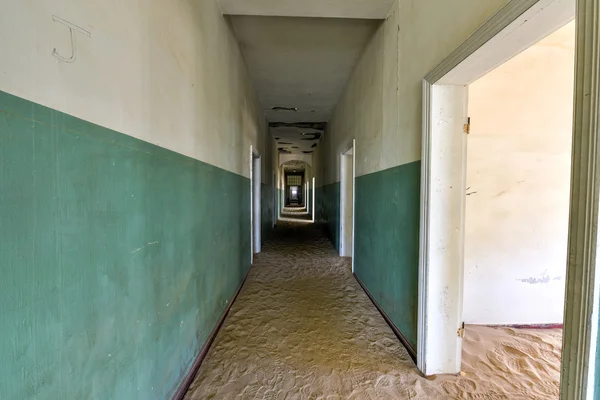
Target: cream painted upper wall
[[382, 104], [358, 114], [167, 72], [518, 174]]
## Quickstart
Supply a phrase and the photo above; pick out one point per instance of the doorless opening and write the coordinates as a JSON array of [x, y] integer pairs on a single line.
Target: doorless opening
[[347, 203], [445, 123], [255, 177], [314, 207]]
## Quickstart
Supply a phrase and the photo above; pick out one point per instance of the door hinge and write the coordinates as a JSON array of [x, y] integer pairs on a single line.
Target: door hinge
[[467, 126], [461, 331]]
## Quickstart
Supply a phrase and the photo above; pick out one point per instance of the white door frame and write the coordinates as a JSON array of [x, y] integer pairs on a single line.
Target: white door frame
[[307, 194], [255, 201], [314, 206], [274, 222], [305, 198], [282, 191], [349, 152], [517, 26]]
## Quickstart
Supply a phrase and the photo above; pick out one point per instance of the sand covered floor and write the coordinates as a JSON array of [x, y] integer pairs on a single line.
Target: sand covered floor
[[302, 328], [299, 213]]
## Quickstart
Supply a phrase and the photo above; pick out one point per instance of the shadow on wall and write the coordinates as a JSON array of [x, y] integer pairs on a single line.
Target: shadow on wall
[[328, 212]]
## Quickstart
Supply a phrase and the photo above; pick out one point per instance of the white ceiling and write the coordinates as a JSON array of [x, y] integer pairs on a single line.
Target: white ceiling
[[302, 64], [369, 9]]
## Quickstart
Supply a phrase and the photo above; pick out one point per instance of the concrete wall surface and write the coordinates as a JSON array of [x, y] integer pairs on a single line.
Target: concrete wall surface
[[518, 179]]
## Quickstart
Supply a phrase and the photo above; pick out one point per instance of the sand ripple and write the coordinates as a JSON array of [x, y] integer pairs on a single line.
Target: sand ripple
[[302, 328]]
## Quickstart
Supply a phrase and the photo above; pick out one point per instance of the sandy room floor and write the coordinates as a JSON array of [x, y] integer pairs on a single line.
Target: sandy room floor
[[302, 328], [299, 213]]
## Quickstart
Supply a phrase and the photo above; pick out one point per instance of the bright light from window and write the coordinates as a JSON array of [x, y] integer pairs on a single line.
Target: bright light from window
[[294, 191]]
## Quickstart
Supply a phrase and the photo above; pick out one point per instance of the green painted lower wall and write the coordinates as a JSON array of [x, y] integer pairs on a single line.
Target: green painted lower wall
[[596, 395], [387, 242], [117, 258], [328, 211], [266, 204]]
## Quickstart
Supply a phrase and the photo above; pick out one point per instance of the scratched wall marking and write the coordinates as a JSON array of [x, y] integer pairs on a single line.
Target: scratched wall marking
[[72, 30]]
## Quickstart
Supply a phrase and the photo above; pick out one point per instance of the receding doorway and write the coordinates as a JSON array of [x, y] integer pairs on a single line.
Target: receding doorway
[[255, 178], [347, 176]]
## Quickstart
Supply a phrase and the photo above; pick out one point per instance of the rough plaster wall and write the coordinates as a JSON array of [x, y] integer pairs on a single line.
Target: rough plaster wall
[[382, 103], [170, 73], [518, 171]]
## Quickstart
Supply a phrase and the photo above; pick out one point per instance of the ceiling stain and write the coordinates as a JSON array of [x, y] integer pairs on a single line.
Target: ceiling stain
[[318, 126]]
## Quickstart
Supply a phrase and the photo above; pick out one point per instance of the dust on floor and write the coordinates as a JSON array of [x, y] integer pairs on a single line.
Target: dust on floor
[[302, 328]]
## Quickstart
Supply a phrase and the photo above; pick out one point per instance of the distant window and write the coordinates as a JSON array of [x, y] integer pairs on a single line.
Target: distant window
[[294, 180]]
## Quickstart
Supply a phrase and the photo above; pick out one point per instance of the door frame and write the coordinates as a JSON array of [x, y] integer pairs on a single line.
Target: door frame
[[274, 222], [314, 206], [343, 200], [517, 26], [255, 202]]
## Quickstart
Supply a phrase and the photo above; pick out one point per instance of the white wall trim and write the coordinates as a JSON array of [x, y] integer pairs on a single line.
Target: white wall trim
[[581, 306], [347, 160], [424, 230], [313, 199], [353, 198], [251, 169], [255, 201], [499, 21]]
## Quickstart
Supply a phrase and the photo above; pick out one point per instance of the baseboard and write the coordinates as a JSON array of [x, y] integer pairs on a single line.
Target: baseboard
[[399, 335], [191, 375], [525, 326]]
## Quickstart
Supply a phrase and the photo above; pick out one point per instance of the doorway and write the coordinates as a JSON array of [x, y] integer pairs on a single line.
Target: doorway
[[347, 177], [314, 207], [255, 201], [294, 195], [275, 205], [443, 182], [443, 187]]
